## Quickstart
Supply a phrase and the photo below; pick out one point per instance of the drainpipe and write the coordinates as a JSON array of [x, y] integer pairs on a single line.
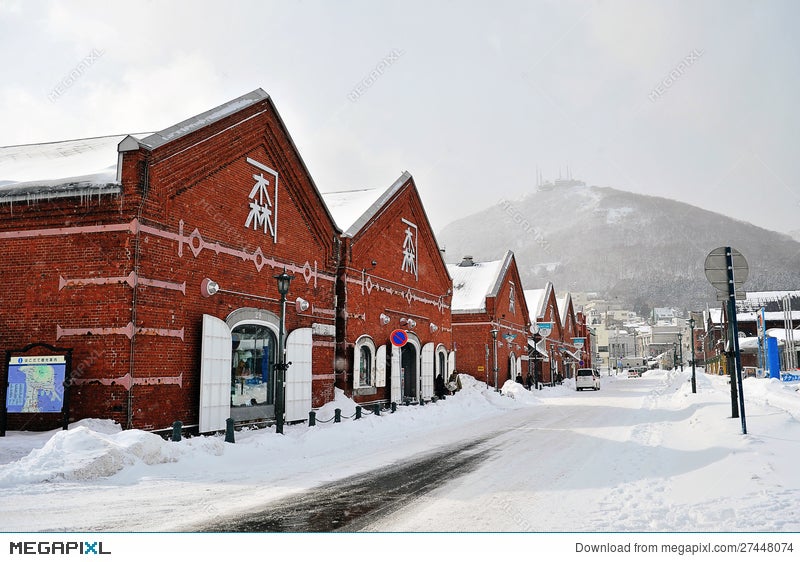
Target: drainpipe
[[136, 265]]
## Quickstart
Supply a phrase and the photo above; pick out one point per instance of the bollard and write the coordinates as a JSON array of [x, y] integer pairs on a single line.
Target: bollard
[[337, 415], [229, 431], [358, 412], [377, 409], [176, 430], [312, 419], [394, 407], [421, 401]]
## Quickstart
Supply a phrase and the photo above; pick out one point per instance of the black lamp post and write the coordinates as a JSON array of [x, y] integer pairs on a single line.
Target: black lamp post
[[694, 383], [538, 360], [674, 355], [494, 332], [284, 279], [680, 349]]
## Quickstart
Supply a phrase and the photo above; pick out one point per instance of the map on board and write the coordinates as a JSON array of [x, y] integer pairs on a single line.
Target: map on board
[[36, 384]]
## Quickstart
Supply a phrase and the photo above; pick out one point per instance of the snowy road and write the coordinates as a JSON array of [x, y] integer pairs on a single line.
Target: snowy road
[[348, 505], [639, 455], [558, 467]]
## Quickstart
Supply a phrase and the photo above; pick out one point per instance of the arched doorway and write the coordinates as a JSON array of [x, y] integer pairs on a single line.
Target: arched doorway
[[409, 369], [254, 350]]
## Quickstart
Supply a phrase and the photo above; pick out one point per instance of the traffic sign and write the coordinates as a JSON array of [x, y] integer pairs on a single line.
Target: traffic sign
[[399, 338], [716, 269]]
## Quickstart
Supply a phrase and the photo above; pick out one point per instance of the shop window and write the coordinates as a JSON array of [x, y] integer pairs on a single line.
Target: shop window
[[253, 358]]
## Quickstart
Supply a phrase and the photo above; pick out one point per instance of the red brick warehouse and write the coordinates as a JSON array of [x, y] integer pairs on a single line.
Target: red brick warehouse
[[490, 319], [391, 276], [106, 243], [548, 361]]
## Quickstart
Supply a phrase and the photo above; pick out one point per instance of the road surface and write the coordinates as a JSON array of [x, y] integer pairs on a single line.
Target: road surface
[[525, 469]]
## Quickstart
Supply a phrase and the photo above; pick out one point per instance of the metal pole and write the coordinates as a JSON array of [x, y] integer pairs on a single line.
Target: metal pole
[[280, 369], [694, 382], [735, 334], [495, 361]]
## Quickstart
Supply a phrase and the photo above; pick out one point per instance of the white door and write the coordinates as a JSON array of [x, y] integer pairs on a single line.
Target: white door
[[215, 375], [380, 366], [451, 362], [298, 375], [396, 394], [427, 370]]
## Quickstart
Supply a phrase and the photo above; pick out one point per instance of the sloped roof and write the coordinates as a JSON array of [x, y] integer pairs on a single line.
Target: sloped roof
[[203, 119], [59, 169], [563, 303], [537, 300], [473, 283], [354, 209], [89, 166]]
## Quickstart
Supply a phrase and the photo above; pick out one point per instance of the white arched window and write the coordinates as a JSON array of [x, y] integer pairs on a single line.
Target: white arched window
[[364, 363], [441, 361]]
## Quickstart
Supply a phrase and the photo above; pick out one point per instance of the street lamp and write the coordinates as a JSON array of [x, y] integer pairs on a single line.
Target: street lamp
[[694, 383], [674, 355], [537, 367], [284, 279], [680, 349]]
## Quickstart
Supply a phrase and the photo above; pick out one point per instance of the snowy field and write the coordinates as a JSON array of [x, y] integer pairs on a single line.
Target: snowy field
[[639, 456]]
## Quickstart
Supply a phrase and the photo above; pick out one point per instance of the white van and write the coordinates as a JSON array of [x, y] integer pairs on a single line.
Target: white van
[[587, 378]]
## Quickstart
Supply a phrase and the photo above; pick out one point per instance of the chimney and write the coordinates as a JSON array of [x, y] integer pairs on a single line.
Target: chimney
[[466, 262]]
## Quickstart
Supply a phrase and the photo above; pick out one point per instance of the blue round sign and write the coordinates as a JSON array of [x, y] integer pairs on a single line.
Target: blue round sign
[[399, 338]]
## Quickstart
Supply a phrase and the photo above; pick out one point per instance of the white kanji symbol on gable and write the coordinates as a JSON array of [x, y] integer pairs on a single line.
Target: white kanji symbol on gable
[[263, 208], [410, 249], [260, 206]]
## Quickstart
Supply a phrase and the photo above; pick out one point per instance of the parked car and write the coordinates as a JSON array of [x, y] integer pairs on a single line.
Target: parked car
[[636, 372], [587, 378]]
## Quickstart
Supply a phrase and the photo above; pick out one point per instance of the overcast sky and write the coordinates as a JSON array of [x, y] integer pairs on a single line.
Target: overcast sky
[[693, 100]]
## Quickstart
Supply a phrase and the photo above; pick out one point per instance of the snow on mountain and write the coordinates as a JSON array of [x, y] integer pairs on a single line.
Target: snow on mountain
[[644, 250]]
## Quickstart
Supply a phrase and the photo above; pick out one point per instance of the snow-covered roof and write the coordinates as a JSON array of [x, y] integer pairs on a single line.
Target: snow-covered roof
[[536, 299], [563, 306], [473, 283], [206, 118], [353, 209], [347, 206], [715, 315], [758, 298], [768, 316], [57, 169], [90, 166]]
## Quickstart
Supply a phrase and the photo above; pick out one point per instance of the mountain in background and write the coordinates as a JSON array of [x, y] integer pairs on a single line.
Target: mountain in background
[[644, 251]]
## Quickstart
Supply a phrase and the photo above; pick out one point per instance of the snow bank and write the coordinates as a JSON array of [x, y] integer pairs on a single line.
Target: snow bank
[[518, 392], [82, 453], [96, 449]]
